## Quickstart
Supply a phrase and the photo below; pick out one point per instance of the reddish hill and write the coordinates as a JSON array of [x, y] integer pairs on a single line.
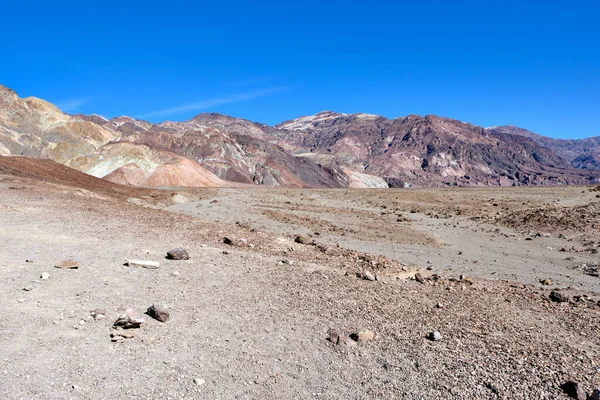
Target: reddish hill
[[48, 171]]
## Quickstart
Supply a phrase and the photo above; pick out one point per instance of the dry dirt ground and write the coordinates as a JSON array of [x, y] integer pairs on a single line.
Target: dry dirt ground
[[252, 322]]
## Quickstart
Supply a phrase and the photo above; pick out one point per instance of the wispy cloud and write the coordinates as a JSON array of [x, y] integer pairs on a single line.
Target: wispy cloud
[[72, 105], [262, 80], [250, 82], [213, 102]]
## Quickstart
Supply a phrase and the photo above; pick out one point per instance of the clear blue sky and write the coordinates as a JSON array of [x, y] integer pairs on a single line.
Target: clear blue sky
[[528, 63]]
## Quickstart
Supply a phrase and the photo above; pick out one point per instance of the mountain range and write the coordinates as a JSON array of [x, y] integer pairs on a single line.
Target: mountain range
[[328, 149]]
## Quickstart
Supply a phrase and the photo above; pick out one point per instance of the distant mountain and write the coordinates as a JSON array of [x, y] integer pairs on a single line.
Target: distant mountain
[[426, 151], [574, 151], [209, 150], [328, 149], [36, 128], [233, 149], [588, 160]]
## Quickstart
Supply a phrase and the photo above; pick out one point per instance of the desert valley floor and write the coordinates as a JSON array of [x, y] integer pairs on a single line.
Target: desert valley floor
[[252, 319]]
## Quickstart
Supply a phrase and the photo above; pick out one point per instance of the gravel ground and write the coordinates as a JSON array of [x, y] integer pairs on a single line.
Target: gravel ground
[[252, 322]]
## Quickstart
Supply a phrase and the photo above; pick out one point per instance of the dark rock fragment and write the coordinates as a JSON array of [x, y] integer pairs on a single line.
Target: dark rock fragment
[[574, 390], [159, 312], [178, 254], [559, 297]]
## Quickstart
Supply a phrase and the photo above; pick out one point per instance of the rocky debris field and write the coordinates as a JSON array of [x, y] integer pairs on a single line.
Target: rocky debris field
[[376, 294]]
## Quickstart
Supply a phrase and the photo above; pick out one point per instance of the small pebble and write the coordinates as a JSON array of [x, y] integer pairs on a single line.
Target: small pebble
[[199, 381]]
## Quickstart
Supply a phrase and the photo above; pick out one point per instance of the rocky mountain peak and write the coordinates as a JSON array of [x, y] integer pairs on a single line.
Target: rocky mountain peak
[[7, 95], [214, 116], [307, 122]]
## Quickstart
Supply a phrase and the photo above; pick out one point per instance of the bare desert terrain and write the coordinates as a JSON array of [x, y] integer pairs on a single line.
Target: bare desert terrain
[[508, 277]]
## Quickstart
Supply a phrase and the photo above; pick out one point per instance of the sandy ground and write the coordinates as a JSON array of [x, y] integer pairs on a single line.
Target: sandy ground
[[247, 325]]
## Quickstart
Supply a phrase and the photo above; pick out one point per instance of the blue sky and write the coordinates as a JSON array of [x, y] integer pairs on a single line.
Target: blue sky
[[528, 63]]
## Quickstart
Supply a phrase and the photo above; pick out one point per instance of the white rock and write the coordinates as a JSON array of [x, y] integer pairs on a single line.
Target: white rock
[[129, 320], [199, 381], [143, 263]]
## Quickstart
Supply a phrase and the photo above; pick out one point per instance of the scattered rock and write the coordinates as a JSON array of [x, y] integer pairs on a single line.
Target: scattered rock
[[143, 264], [439, 305], [98, 313], [45, 276], [558, 297], [67, 264], [128, 320], [199, 381], [367, 275], [346, 341], [492, 387], [574, 390], [468, 281], [123, 334], [238, 242], [225, 252], [434, 336], [178, 254], [546, 282], [159, 312], [365, 335], [332, 251], [419, 278], [28, 288], [589, 269], [303, 239], [29, 260], [120, 336], [340, 339], [333, 336]]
